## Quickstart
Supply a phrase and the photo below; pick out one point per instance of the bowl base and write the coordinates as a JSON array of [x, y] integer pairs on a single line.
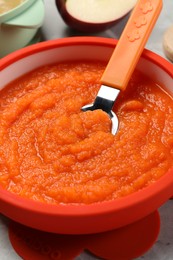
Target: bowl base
[[124, 243]]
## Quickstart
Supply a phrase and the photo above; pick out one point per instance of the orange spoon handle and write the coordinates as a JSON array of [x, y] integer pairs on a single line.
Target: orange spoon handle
[[131, 44]]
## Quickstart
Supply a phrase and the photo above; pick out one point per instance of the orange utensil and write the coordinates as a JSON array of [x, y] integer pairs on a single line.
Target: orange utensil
[[125, 57]]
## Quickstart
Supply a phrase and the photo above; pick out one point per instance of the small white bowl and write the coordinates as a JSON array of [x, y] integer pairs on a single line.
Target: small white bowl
[[19, 25]]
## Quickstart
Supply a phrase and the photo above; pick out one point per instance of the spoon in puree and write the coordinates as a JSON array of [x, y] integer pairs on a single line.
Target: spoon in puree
[[125, 57]]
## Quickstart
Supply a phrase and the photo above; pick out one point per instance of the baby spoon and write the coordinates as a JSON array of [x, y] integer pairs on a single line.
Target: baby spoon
[[125, 57]]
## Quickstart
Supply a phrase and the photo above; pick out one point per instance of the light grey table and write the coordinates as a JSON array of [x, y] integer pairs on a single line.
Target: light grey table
[[53, 28]]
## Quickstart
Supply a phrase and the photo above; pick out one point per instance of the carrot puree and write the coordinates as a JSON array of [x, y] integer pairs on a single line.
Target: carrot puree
[[51, 151]]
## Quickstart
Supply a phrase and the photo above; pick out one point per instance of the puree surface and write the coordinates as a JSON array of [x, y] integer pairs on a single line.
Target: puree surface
[[51, 151]]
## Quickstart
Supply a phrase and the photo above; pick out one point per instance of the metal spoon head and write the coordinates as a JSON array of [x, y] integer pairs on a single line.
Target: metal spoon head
[[111, 114], [115, 123]]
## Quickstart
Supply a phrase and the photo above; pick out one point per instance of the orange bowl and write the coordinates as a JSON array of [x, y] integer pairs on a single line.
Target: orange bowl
[[96, 217]]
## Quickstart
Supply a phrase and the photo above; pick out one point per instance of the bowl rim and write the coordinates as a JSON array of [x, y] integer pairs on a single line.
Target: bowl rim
[[151, 193], [80, 40]]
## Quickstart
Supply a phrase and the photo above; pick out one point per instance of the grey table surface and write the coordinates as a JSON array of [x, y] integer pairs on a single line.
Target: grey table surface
[[53, 28]]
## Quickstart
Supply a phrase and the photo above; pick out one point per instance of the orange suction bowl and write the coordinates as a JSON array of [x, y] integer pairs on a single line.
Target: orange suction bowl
[[97, 217]]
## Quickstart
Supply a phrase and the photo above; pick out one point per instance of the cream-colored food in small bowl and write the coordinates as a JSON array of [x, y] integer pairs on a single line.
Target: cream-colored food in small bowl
[[7, 5]]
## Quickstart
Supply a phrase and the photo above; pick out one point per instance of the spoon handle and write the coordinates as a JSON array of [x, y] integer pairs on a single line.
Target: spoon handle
[[131, 44]]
